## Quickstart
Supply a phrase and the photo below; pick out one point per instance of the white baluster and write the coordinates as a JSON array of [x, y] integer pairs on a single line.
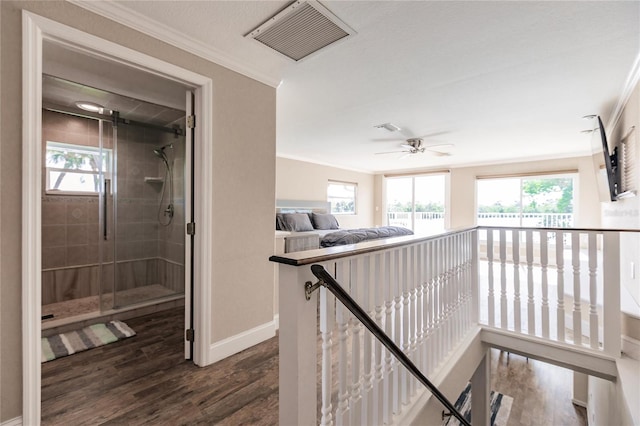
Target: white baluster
[[378, 390], [455, 290], [577, 311], [517, 309], [429, 309], [397, 332], [420, 307], [560, 293], [504, 323], [388, 328], [531, 307], [436, 344], [594, 337], [368, 289], [544, 259], [355, 400], [491, 296], [342, 318], [327, 321], [405, 326], [445, 298], [413, 309]]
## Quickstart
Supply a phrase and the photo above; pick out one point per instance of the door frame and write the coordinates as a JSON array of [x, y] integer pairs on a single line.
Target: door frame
[[35, 29]]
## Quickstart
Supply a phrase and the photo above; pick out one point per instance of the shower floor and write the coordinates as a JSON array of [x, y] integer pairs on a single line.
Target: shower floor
[[87, 308]]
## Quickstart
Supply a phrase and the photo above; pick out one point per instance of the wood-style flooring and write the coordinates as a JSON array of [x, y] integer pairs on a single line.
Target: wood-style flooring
[[144, 380]]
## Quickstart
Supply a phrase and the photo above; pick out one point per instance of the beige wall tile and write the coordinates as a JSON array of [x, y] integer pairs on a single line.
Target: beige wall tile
[[77, 212], [77, 255], [54, 235], [77, 235], [54, 213], [54, 257]]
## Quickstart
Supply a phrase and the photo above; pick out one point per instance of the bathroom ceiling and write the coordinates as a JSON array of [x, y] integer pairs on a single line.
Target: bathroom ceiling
[[502, 81], [64, 93], [72, 75]]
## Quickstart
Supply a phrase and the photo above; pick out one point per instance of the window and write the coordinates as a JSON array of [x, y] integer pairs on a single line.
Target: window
[[75, 168], [629, 172], [416, 202], [540, 201], [342, 196]]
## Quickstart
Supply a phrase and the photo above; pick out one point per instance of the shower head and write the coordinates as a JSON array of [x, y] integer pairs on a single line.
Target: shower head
[[162, 148], [159, 152]]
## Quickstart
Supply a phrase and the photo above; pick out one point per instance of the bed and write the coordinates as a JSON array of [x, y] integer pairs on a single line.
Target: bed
[[307, 225]]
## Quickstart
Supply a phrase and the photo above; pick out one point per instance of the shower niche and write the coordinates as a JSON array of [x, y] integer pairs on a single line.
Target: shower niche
[[113, 202]]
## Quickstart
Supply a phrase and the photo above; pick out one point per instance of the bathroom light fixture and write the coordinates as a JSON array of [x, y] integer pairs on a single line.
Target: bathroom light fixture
[[90, 106]]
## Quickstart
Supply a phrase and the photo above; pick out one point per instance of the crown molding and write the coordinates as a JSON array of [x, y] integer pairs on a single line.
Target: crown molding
[[630, 84], [134, 20]]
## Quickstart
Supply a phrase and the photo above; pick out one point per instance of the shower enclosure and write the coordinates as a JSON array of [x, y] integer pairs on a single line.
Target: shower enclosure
[[113, 202]]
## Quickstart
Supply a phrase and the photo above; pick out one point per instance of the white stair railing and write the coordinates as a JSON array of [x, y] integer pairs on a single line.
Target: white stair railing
[[566, 271], [419, 291]]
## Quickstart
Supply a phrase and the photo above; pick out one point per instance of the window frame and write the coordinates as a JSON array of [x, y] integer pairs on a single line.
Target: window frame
[[572, 174], [355, 196], [107, 153], [413, 176]]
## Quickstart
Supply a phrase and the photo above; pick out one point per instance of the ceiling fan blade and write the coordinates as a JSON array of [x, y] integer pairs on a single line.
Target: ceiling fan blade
[[432, 134], [387, 140], [440, 149], [440, 145], [407, 133], [391, 152], [408, 154], [439, 153]]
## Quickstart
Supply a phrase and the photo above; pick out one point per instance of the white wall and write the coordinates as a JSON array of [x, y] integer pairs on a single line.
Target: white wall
[[299, 180], [625, 213]]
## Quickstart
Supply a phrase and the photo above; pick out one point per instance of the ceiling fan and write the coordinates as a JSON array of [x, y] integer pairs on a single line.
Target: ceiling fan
[[414, 146]]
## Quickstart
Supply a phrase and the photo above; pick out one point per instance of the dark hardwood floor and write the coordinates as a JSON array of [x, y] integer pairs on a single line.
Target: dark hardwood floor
[[541, 392], [144, 380]]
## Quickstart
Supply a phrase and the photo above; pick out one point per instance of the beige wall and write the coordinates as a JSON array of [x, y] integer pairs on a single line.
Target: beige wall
[[299, 180], [243, 183], [461, 196], [625, 213]]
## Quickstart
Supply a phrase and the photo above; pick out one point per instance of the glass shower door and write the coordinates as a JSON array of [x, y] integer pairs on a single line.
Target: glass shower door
[[144, 216]]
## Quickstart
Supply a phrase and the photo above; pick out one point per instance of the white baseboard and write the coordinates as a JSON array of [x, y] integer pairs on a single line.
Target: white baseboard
[[17, 421], [276, 320], [239, 342]]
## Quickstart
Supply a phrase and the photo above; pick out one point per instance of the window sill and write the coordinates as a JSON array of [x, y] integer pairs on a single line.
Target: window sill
[[72, 193]]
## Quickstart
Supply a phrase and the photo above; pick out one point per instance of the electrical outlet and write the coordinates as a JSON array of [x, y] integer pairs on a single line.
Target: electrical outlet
[[633, 270]]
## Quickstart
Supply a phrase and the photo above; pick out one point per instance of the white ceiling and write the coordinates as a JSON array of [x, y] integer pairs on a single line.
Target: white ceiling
[[503, 81]]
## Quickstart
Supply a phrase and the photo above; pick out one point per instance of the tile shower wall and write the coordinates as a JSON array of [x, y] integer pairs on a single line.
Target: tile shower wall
[[147, 253]]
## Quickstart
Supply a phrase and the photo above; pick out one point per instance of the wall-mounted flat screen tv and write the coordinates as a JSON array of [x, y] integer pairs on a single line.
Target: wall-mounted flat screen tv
[[606, 164]]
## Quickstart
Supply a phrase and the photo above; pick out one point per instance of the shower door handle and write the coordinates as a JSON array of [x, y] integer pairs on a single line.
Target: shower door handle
[[105, 208]]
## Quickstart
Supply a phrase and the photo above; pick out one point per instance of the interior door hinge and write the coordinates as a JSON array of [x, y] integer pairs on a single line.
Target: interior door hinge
[[191, 228], [191, 121], [189, 335]]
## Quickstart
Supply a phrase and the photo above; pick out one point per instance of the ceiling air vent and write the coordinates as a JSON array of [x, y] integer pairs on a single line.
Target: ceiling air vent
[[301, 29]]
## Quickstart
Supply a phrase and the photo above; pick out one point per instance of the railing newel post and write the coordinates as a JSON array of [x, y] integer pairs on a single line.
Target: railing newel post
[[611, 294]]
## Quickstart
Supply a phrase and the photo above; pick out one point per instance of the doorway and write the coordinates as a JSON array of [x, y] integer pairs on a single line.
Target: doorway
[[40, 34], [113, 205]]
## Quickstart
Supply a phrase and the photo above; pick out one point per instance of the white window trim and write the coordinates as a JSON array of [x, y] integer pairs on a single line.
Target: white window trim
[[80, 148], [355, 196]]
